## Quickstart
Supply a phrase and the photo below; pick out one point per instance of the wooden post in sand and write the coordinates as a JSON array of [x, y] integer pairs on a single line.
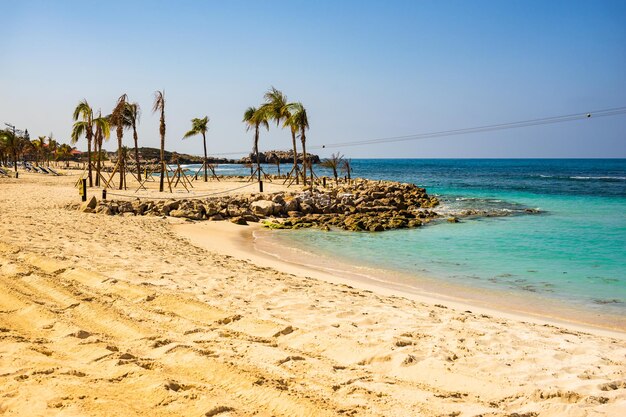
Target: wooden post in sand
[[83, 190]]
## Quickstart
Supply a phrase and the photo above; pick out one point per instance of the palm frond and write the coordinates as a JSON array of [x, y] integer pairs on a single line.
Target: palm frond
[[189, 134], [132, 113], [276, 105], [159, 101], [103, 124], [82, 111], [79, 129]]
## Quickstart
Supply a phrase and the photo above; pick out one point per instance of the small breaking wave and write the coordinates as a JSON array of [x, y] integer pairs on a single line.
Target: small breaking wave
[[608, 178], [605, 178]]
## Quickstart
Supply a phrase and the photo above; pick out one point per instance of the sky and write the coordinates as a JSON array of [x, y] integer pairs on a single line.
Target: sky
[[363, 70]]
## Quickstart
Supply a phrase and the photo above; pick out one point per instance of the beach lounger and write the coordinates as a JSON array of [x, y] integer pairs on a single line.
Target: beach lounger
[[53, 171]]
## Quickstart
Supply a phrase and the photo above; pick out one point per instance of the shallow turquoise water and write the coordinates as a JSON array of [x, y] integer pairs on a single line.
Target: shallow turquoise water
[[574, 253]]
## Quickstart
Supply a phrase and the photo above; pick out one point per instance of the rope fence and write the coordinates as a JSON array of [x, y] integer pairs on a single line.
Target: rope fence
[[181, 198]]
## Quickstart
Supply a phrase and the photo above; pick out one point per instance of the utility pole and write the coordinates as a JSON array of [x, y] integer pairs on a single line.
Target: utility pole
[[15, 131]]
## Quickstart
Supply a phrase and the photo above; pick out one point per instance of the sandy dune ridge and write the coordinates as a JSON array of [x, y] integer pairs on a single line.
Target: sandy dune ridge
[[104, 316]]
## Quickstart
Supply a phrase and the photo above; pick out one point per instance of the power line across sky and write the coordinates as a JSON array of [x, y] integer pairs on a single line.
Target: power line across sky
[[615, 111]]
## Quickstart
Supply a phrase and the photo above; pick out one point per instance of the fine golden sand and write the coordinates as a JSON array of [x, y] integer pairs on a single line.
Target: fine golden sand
[[144, 316]]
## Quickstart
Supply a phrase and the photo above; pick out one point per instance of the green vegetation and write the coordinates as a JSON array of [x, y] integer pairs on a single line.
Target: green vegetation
[[334, 162], [159, 106], [293, 115], [254, 118], [84, 126], [132, 113], [200, 126]]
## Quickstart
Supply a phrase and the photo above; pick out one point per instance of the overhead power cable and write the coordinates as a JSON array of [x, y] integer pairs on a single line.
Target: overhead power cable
[[616, 111], [480, 129]]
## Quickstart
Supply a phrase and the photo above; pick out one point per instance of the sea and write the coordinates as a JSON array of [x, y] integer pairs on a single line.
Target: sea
[[567, 262]]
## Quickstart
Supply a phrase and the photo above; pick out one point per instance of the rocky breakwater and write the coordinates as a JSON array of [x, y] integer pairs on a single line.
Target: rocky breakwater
[[362, 205]]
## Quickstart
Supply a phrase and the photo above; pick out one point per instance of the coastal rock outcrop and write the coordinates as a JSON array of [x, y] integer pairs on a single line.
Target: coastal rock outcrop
[[362, 205]]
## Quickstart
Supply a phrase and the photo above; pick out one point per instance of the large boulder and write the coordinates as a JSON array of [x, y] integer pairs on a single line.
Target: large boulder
[[139, 207], [265, 208], [307, 208], [292, 205]]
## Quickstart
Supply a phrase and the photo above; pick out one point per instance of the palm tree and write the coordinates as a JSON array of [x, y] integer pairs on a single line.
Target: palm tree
[[24, 146], [132, 113], [39, 146], [103, 131], [334, 163], [277, 162], [254, 118], [11, 144], [278, 109], [118, 120], [84, 126], [159, 106], [53, 146], [347, 168], [200, 126], [299, 121], [64, 152], [4, 157]]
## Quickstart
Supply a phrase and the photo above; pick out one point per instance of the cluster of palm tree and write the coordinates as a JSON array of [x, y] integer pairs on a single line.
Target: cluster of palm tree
[[125, 115], [276, 108], [16, 145]]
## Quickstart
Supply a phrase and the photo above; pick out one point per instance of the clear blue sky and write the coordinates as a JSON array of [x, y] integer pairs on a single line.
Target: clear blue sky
[[362, 69]]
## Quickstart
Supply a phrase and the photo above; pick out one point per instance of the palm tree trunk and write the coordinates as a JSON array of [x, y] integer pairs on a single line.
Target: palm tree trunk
[[98, 157], [137, 153], [256, 150], [205, 158], [89, 160], [303, 139], [120, 161], [15, 159], [295, 157], [162, 131]]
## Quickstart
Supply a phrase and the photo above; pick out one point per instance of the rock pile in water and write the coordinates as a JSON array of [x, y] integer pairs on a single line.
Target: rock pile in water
[[362, 205]]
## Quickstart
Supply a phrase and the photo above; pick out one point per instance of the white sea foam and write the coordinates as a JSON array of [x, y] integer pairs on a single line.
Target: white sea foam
[[597, 178]]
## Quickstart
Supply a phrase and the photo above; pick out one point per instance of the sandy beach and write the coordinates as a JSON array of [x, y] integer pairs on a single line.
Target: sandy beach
[[114, 315]]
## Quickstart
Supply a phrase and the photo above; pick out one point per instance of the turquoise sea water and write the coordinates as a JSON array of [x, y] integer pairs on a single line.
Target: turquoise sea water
[[573, 253]]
